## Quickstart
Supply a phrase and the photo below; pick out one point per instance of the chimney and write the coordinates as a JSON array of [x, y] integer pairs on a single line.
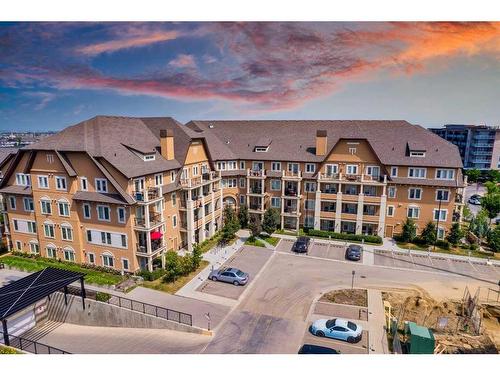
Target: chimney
[[321, 142], [167, 143]]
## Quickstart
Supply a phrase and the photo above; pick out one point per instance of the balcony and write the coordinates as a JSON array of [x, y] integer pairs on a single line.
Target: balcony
[[256, 173], [205, 178], [291, 211], [291, 193], [142, 248], [357, 178], [292, 175], [154, 219], [147, 195]]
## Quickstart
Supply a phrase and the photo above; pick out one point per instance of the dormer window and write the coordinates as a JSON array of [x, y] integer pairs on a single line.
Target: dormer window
[[417, 154], [149, 157], [261, 149]]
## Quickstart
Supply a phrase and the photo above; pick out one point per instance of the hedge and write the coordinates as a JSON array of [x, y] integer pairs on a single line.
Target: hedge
[[345, 236]]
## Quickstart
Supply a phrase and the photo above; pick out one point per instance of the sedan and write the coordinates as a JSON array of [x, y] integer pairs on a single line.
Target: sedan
[[229, 275], [316, 349], [301, 245], [353, 252], [475, 199], [336, 328]]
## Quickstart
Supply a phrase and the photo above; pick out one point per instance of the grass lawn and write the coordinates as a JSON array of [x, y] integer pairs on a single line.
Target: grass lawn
[[271, 240], [254, 242], [8, 350], [173, 287], [453, 250], [357, 297], [33, 265]]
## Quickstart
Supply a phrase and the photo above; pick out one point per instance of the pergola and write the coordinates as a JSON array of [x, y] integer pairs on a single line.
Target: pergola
[[25, 292]]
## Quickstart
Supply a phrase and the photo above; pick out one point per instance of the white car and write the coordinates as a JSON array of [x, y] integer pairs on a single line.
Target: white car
[[337, 328]]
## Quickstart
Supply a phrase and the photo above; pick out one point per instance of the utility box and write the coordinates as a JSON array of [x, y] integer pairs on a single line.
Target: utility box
[[420, 340]]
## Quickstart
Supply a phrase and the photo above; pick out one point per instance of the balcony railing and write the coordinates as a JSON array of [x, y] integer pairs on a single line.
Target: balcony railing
[[290, 192], [256, 173], [352, 177], [154, 219], [257, 207], [198, 180], [292, 174], [291, 210], [147, 195], [256, 190]]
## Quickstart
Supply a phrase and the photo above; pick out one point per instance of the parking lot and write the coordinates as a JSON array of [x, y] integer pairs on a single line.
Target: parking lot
[[472, 268], [317, 249], [249, 259]]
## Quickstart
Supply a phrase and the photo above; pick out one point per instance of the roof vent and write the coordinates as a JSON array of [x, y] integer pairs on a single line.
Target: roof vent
[[227, 142], [211, 126]]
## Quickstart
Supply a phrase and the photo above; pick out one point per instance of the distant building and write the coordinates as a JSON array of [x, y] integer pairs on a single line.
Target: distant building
[[479, 145]]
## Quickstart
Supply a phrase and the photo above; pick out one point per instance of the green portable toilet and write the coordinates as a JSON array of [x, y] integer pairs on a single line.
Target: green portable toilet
[[420, 339]]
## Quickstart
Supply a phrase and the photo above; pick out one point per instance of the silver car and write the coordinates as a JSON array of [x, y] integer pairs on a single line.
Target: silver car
[[229, 275]]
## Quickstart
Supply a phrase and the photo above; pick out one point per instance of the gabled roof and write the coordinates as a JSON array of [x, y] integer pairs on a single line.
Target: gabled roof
[[6, 154], [296, 140]]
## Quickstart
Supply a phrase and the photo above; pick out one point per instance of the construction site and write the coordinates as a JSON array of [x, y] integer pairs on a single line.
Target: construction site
[[470, 324]]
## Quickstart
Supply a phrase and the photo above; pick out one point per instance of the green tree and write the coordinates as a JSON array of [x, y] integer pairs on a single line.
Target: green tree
[[255, 226], [491, 203], [473, 175], [492, 188], [494, 175], [409, 231], [429, 233], [479, 225], [243, 216], [173, 266], [467, 213], [455, 234], [494, 239], [196, 256], [271, 221]]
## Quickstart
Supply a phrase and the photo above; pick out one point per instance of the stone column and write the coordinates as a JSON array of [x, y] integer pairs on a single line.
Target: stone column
[[317, 209], [382, 213], [359, 215], [189, 222], [338, 211]]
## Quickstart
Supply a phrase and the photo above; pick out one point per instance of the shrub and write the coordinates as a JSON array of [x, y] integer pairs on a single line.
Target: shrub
[[428, 234], [271, 221], [420, 241], [152, 276], [345, 236], [494, 239], [456, 234], [443, 244], [103, 297], [243, 216], [409, 231]]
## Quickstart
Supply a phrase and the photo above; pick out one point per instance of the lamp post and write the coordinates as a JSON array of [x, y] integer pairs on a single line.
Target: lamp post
[[437, 225], [352, 281]]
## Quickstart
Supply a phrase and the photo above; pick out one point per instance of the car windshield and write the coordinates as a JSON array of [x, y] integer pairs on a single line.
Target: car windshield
[[352, 326], [330, 323], [239, 273]]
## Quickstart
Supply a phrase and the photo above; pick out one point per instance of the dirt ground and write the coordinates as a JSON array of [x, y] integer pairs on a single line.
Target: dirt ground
[[416, 305], [357, 297]]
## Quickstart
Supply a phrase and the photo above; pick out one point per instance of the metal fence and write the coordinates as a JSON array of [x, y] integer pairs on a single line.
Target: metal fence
[[141, 307], [33, 347]]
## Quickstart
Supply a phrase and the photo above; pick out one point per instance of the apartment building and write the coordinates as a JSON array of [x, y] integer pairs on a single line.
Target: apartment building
[[479, 145], [119, 192], [112, 191]]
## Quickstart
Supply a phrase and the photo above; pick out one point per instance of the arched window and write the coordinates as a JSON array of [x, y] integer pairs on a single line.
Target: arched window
[[108, 260], [66, 232], [46, 205], [34, 247], [69, 254], [229, 201], [48, 229], [63, 207], [51, 250]]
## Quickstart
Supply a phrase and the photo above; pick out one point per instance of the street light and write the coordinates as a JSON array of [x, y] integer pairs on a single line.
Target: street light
[[352, 281]]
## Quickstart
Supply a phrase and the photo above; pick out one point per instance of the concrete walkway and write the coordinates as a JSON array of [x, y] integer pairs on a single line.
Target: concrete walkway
[[376, 323]]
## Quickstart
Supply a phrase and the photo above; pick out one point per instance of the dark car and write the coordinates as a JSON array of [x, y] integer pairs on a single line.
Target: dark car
[[316, 349], [301, 245], [353, 252]]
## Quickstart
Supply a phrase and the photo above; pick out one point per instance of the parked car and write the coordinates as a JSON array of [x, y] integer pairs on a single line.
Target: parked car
[[353, 252], [301, 245], [229, 275], [497, 221], [475, 199], [316, 349], [337, 328]]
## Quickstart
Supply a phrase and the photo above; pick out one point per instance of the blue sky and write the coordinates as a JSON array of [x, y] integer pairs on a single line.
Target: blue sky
[[56, 74]]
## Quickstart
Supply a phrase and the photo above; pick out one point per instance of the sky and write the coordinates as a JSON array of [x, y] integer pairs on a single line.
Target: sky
[[53, 75]]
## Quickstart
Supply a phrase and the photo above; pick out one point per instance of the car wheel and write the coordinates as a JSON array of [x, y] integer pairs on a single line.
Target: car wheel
[[351, 340], [320, 333], [236, 283], [214, 278]]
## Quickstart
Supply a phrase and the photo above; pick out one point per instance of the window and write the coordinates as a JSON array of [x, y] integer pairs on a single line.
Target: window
[[63, 208], [174, 199], [276, 185], [28, 204], [276, 166], [103, 213], [310, 187], [351, 169], [242, 182], [86, 210], [293, 167], [390, 211], [440, 214], [309, 221], [12, 202], [149, 157], [34, 248], [231, 165], [172, 176], [158, 179], [417, 172], [310, 168], [101, 185], [125, 264], [121, 215], [174, 221], [440, 233], [394, 171], [23, 179], [31, 227], [230, 183], [242, 199], [331, 169], [106, 238], [195, 170], [107, 260], [43, 182], [242, 164], [352, 150], [84, 184], [309, 204], [46, 206], [221, 165], [66, 232], [69, 255], [60, 183], [373, 171], [261, 149], [113, 239], [50, 158], [51, 251], [19, 246], [442, 195], [417, 154], [48, 230], [414, 193], [91, 258], [413, 212], [257, 166], [445, 174], [275, 202]]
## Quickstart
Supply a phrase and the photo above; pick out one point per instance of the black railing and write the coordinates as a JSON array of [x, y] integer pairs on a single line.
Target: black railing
[[33, 347], [144, 308]]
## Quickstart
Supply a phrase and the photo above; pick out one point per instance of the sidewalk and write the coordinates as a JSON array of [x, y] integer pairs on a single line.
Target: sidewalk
[[376, 323]]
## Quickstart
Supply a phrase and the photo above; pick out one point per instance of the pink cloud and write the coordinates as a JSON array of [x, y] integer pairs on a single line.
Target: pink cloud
[[183, 61]]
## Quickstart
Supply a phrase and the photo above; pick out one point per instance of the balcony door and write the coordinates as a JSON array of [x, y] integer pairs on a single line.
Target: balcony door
[[139, 184], [257, 166]]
